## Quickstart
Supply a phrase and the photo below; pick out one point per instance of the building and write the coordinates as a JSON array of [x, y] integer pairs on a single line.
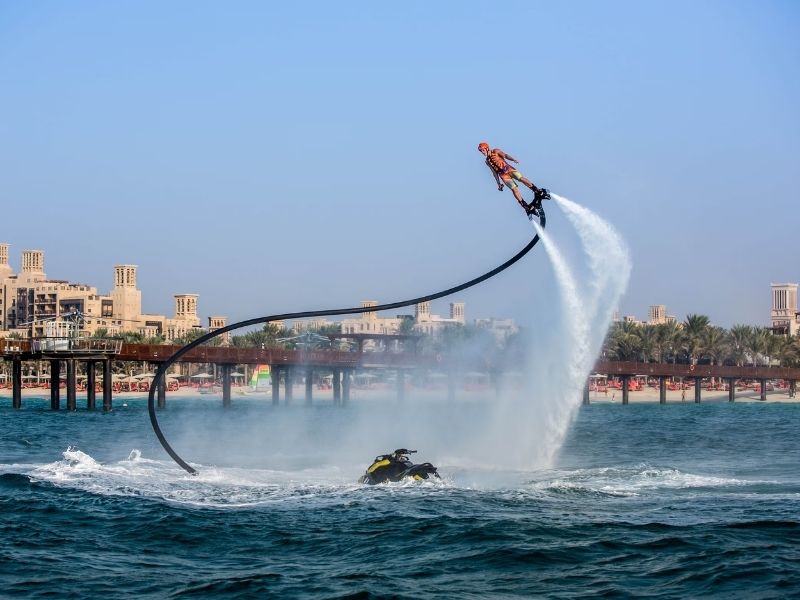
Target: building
[[657, 315], [218, 322], [785, 317], [501, 329], [370, 322], [425, 322], [29, 301], [301, 325]]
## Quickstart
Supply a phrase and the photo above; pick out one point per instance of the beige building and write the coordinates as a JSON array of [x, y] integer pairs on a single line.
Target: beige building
[[29, 301], [426, 322], [370, 322], [657, 315], [301, 325], [218, 322], [785, 316]]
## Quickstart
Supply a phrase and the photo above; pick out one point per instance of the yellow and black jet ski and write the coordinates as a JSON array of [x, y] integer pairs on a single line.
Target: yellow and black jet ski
[[397, 466]]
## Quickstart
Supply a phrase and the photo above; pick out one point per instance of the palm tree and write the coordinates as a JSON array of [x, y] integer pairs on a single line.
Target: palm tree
[[790, 353], [757, 343], [623, 341], [738, 337], [648, 342], [668, 337], [713, 344], [693, 328]]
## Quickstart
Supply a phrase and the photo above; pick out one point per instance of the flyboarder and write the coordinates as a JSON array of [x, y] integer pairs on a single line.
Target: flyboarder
[[505, 174]]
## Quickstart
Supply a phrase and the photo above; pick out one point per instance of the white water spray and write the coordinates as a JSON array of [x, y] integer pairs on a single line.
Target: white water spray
[[588, 304], [567, 335]]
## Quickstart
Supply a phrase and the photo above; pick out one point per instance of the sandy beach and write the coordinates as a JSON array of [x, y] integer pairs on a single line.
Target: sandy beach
[[645, 395]]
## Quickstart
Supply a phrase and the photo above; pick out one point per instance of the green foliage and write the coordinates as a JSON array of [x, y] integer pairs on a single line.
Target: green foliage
[[697, 340]]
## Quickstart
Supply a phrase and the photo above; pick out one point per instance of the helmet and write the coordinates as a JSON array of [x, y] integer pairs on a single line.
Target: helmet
[[483, 146]]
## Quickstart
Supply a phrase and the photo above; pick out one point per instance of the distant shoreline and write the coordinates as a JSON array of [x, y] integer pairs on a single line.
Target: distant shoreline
[[642, 396]]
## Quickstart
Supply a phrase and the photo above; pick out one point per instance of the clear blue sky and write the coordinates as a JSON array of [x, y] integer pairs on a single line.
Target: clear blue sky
[[293, 156]]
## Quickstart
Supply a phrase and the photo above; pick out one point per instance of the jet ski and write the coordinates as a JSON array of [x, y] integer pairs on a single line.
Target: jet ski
[[395, 467]]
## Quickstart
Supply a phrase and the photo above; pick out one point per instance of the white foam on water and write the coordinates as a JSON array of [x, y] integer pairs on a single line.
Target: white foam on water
[[213, 487]]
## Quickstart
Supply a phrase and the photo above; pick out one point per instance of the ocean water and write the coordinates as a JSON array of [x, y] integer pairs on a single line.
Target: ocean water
[[650, 501]]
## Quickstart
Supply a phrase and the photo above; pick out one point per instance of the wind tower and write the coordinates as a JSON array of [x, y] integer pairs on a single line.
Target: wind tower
[[186, 308], [32, 267], [422, 311], [126, 298], [5, 268], [785, 317], [457, 311]]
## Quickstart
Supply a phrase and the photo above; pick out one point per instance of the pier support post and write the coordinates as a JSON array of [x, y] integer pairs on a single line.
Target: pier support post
[[55, 381], [107, 385], [91, 384], [337, 387], [275, 379], [586, 393], [161, 392], [288, 383], [71, 383], [763, 389], [731, 390], [662, 390], [792, 388], [16, 383], [226, 386], [698, 386], [401, 385], [346, 387], [625, 388], [309, 386]]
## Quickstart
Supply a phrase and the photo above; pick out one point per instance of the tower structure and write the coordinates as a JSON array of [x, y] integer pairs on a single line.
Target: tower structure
[[457, 311], [126, 298], [657, 314], [422, 311], [186, 307], [372, 315], [218, 322], [5, 268], [785, 317]]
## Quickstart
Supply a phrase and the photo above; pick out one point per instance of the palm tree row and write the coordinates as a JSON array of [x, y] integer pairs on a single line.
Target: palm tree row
[[697, 340]]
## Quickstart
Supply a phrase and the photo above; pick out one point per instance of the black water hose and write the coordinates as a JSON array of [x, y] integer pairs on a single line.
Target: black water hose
[[162, 369]]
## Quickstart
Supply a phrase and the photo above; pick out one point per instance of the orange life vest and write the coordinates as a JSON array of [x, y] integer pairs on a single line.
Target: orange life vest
[[496, 162]]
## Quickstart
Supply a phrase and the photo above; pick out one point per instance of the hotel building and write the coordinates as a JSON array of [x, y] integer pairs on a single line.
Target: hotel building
[[29, 301]]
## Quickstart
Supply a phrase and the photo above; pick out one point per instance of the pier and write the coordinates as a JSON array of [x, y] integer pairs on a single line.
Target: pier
[[284, 365], [695, 373], [64, 354]]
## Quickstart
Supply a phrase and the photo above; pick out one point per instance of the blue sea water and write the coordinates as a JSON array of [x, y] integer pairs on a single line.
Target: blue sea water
[[644, 501]]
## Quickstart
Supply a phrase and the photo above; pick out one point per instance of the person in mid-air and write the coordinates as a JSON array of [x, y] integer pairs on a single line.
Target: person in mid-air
[[505, 174]]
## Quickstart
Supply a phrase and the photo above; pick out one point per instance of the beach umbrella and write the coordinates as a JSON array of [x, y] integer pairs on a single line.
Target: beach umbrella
[[202, 376]]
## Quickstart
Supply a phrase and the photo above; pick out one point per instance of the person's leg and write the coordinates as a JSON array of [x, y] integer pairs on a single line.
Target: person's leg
[[509, 182], [525, 181]]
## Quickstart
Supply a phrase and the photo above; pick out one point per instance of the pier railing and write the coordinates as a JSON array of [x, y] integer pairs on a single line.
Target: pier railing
[[67, 345]]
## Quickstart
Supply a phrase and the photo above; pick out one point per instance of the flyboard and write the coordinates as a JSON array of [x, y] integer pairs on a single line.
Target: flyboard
[[535, 209], [162, 369]]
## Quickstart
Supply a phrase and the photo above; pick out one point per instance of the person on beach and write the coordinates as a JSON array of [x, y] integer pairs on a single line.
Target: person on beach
[[504, 174]]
